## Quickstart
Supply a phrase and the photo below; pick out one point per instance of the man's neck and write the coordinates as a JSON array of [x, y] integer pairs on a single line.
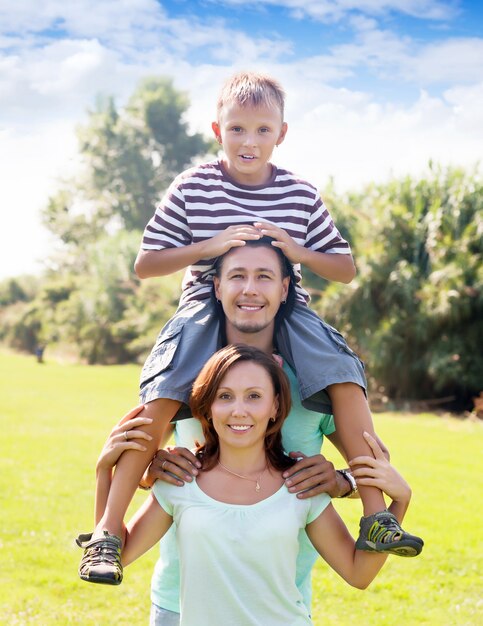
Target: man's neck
[[263, 339]]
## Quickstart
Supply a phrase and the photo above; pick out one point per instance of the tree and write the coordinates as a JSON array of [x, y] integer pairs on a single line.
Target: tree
[[130, 157], [416, 307]]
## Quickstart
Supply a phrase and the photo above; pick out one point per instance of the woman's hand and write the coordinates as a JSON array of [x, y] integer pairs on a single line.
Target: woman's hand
[[124, 436], [378, 472]]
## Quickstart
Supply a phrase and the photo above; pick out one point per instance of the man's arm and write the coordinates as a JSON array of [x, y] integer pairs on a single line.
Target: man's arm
[[312, 475], [172, 465]]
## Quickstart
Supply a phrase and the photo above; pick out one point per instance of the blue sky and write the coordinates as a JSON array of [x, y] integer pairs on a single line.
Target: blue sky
[[375, 87]]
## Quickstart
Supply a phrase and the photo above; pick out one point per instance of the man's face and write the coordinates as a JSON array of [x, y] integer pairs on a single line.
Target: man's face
[[251, 289]]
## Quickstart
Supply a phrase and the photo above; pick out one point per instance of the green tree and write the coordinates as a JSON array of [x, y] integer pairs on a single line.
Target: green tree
[[90, 298], [415, 310], [130, 156]]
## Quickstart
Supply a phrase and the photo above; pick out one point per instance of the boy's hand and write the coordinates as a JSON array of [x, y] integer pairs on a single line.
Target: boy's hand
[[173, 465], [311, 475], [292, 250], [231, 237]]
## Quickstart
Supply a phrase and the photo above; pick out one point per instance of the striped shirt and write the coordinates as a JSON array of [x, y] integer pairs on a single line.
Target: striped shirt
[[205, 200]]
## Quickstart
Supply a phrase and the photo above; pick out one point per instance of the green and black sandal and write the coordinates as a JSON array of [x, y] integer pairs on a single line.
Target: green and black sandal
[[101, 562], [381, 532]]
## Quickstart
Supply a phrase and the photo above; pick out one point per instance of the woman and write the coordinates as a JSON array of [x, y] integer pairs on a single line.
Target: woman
[[237, 525]]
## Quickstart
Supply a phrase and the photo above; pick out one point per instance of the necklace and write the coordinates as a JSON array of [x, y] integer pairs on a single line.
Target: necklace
[[257, 482]]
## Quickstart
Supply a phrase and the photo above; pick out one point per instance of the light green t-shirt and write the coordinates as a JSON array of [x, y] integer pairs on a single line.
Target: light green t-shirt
[[303, 431], [238, 561]]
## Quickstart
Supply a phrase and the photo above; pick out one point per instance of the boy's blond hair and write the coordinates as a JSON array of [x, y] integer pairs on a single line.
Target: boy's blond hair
[[252, 89]]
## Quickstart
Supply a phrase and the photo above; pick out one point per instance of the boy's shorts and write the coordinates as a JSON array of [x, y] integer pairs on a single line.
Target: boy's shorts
[[319, 355], [317, 352], [183, 346]]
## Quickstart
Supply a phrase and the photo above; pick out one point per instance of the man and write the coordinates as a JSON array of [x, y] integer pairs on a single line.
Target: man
[[254, 290]]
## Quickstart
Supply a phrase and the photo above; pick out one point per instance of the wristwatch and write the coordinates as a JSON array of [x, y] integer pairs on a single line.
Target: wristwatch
[[350, 479]]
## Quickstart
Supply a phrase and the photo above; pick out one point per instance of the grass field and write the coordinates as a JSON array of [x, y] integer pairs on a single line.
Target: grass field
[[53, 421]]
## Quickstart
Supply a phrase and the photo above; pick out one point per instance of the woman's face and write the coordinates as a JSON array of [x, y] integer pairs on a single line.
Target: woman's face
[[244, 403]]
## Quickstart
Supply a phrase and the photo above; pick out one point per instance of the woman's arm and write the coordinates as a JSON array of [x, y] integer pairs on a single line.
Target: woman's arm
[[145, 529], [333, 542], [330, 536]]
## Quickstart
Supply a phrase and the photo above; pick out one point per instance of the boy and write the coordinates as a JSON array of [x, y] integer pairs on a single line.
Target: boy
[[208, 210]]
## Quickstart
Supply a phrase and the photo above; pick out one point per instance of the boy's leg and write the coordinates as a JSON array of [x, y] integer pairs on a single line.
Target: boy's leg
[[352, 417], [379, 529], [129, 470]]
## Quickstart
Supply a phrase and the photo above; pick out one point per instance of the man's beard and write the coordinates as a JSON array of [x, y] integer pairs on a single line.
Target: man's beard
[[250, 328]]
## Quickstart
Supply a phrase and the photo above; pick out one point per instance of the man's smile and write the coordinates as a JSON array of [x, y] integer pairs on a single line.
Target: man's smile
[[250, 307]]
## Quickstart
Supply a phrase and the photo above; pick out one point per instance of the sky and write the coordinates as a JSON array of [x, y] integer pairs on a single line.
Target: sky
[[375, 88]]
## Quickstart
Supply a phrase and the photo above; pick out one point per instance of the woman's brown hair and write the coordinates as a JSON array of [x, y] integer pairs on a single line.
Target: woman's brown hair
[[204, 392]]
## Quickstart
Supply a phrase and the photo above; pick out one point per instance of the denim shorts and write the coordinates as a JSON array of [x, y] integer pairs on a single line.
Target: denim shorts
[[183, 346], [316, 351], [319, 355], [162, 617]]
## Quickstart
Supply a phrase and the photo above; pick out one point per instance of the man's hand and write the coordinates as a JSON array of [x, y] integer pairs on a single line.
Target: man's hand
[[312, 475], [173, 465]]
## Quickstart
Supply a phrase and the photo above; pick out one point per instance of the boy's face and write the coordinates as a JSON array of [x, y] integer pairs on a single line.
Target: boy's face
[[248, 136]]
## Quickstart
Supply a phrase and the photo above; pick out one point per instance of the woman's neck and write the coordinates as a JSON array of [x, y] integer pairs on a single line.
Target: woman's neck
[[244, 461]]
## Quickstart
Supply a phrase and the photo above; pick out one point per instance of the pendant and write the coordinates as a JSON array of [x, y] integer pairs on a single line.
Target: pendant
[[257, 487]]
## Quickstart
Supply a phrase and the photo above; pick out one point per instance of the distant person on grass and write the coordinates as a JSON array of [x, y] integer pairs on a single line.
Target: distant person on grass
[[206, 211], [237, 526]]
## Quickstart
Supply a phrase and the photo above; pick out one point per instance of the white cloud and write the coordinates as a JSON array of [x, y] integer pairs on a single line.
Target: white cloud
[[32, 164], [389, 55], [47, 84], [107, 19], [336, 10], [452, 60], [356, 139]]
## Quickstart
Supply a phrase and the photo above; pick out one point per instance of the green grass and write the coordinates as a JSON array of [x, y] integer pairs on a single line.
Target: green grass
[[53, 421]]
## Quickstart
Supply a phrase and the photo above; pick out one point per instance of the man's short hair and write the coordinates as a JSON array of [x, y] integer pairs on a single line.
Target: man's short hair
[[252, 89]]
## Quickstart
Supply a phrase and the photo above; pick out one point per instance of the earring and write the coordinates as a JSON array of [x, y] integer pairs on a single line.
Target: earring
[[284, 301], [273, 419]]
